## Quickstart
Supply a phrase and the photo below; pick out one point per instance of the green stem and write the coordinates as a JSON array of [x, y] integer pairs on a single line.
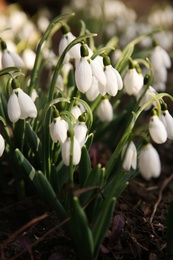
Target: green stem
[[35, 70]]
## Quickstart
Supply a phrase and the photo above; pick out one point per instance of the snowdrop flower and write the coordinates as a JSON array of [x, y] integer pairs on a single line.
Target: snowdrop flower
[[105, 111], [67, 38], [65, 152], [83, 72], [58, 130], [167, 120], [2, 145], [147, 96], [29, 58], [93, 91], [20, 105], [133, 82], [9, 58], [80, 131], [129, 156], [160, 58], [149, 162], [97, 70], [157, 130], [76, 111], [113, 78]]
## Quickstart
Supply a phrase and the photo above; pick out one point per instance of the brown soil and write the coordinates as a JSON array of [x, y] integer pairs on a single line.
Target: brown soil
[[138, 229]]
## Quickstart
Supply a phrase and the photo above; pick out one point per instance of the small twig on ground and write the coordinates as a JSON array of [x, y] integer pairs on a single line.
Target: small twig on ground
[[164, 185]]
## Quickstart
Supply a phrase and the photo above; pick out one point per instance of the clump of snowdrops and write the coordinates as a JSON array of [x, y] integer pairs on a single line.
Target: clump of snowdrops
[[48, 134]]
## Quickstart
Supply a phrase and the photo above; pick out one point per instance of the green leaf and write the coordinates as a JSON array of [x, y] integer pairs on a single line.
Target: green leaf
[[10, 69], [41, 183], [84, 166], [81, 232], [102, 223], [126, 54], [34, 141]]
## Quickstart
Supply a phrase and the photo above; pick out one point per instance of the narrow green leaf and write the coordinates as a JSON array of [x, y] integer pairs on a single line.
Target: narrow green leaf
[[84, 166], [8, 70], [126, 54], [81, 232], [102, 223], [41, 183]]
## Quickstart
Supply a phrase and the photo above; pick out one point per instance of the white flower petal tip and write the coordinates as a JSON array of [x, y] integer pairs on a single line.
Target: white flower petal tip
[[129, 156], [58, 130], [149, 162], [20, 106], [113, 80], [133, 82], [2, 145], [80, 131], [83, 75], [157, 130], [167, 120], [65, 152], [105, 111]]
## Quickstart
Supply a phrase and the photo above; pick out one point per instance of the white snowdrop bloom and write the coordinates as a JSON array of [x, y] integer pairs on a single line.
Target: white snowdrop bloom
[[2, 145], [97, 70], [113, 80], [167, 120], [157, 130], [159, 86], [93, 91], [129, 156], [76, 111], [65, 152], [34, 95], [28, 57], [62, 45], [133, 82], [160, 58], [75, 50], [20, 106], [146, 97], [58, 130], [80, 131], [160, 75], [149, 162], [11, 59], [83, 75], [105, 111]]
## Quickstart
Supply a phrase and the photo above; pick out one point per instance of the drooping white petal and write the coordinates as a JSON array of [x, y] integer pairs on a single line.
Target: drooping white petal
[[18, 62], [80, 131], [27, 106], [98, 72], [7, 60], [149, 162], [76, 111], [167, 120], [75, 50], [2, 145], [65, 152], [146, 97], [62, 45], [133, 82], [58, 130], [105, 111], [157, 130], [160, 58], [83, 75], [129, 156], [93, 91], [119, 79], [13, 108], [111, 81], [29, 58]]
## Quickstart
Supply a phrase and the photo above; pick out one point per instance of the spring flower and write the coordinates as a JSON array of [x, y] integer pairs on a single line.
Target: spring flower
[[76, 111], [65, 152], [129, 156], [9, 58], [93, 91], [113, 78], [149, 162], [146, 97], [97, 70], [133, 82], [167, 120], [20, 105], [2, 145], [80, 131], [83, 72], [157, 130], [160, 58], [105, 111], [58, 130]]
